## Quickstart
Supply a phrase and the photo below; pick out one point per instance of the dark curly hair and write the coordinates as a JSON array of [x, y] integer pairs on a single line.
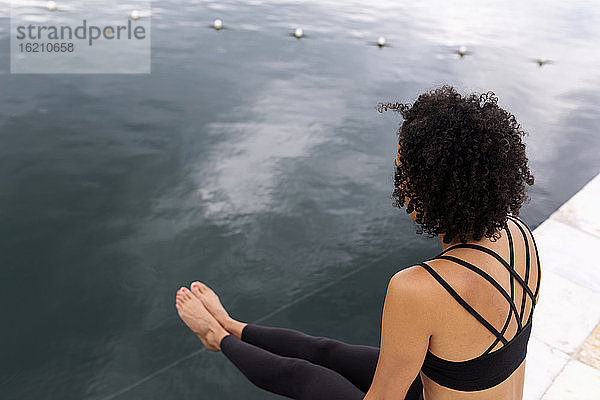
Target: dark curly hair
[[461, 164]]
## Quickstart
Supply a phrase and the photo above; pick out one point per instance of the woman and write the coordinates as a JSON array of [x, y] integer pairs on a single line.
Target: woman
[[453, 327]]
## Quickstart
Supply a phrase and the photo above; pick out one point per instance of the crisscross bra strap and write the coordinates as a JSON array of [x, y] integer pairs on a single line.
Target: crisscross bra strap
[[527, 267], [508, 266], [514, 276], [463, 303], [489, 279], [511, 269], [537, 255]]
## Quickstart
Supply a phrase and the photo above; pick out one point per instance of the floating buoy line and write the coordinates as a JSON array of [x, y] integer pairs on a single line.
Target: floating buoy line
[[381, 42], [299, 34]]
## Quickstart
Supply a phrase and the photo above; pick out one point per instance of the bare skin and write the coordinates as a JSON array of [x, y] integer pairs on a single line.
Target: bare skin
[[211, 301], [198, 319]]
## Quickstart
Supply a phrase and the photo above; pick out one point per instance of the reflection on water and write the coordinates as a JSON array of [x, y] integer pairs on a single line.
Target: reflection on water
[[256, 163]]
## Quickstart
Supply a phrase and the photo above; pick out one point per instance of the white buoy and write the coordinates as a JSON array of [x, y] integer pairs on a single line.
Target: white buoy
[[298, 33], [381, 41], [135, 15], [217, 24], [541, 61], [462, 50], [51, 6]]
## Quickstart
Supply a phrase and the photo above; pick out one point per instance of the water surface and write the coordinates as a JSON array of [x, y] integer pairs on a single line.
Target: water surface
[[256, 163]]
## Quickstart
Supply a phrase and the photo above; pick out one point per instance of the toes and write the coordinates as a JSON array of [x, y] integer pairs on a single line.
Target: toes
[[187, 295], [178, 303], [181, 296], [201, 286], [196, 290]]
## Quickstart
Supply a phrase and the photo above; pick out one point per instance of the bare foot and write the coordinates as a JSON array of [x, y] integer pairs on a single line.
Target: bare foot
[[199, 320], [212, 303]]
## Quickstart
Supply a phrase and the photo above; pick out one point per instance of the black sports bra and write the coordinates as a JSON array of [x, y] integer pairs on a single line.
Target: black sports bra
[[490, 368]]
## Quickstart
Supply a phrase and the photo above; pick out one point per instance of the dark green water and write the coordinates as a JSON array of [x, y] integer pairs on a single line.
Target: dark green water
[[255, 163]]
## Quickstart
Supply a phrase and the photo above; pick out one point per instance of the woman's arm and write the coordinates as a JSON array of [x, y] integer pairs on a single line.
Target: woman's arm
[[405, 333]]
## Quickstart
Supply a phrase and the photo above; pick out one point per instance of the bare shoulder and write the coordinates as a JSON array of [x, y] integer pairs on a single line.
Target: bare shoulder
[[415, 286], [414, 278]]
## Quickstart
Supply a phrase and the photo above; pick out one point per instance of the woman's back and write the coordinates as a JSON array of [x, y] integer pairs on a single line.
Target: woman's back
[[466, 351]]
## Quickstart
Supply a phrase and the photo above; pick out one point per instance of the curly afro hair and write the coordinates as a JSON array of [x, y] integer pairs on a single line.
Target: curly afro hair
[[461, 164]]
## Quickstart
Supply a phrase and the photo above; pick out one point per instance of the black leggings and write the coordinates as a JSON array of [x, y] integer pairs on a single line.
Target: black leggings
[[303, 367]]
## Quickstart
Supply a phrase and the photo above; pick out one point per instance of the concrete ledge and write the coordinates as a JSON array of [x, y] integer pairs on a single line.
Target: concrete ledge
[[576, 381], [590, 351], [563, 357]]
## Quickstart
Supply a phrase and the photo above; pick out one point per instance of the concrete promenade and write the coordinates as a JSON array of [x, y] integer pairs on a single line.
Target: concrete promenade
[[563, 357]]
